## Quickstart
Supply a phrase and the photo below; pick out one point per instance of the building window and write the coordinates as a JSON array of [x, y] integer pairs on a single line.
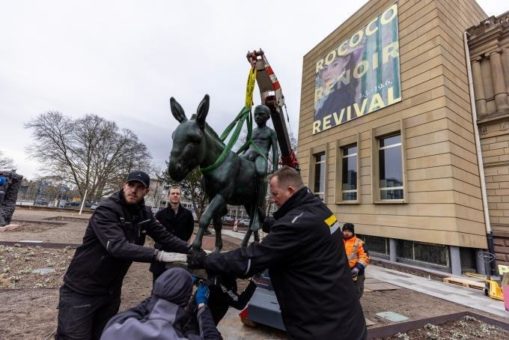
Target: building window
[[375, 244], [390, 169], [349, 173], [319, 183], [423, 252]]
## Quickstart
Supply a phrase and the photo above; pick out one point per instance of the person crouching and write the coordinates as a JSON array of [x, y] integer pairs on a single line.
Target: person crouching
[[163, 315]]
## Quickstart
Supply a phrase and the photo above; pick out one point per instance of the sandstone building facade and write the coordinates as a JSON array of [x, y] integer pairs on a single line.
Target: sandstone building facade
[[390, 136]]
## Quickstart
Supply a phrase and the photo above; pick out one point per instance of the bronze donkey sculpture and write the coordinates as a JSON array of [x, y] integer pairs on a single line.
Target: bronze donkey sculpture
[[232, 182]]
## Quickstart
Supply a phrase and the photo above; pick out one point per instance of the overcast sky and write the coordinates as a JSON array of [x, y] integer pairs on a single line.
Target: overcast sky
[[122, 60]]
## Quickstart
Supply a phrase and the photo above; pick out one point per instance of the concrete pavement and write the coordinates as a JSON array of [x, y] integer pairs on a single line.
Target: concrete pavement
[[469, 297]]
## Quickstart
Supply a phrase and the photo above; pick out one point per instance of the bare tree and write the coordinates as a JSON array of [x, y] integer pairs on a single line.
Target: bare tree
[[90, 152], [191, 188], [5, 162]]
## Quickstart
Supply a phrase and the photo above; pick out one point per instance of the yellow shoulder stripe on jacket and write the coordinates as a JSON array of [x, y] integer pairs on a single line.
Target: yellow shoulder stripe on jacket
[[332, 222]]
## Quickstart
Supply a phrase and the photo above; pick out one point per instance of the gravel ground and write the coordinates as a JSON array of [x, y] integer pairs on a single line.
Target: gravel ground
[[32, 267], [466, 328]]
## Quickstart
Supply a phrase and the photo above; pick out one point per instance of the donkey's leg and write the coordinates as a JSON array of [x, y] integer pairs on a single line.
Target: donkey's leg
[[199, 236], [250, 208], [245, 240], [216, 204], [256, 236], [218, 224]]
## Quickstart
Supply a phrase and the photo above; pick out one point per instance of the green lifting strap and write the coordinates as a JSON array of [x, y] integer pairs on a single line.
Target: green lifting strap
[[244, 115]]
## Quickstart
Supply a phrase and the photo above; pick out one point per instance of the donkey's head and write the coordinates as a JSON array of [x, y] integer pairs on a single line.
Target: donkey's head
[[189, 143]]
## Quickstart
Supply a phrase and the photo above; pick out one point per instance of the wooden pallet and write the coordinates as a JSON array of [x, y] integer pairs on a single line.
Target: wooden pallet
[[464, 282], [476, 276]]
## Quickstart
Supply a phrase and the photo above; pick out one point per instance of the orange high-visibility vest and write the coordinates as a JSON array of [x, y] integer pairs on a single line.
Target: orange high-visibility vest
[[354, 248]]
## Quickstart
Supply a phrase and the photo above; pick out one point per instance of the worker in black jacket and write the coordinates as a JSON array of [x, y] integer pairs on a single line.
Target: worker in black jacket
[[177, 220], [307, 264], [114, 238]]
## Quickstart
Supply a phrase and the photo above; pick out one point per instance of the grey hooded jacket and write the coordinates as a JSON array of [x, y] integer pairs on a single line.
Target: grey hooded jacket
[[162, 316]]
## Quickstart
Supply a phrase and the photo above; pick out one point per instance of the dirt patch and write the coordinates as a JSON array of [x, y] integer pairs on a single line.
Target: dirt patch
[[28, 313], [409, 303], [28, 297], [34, 227], [37, 267], [33, 267], [68, 219], [467, 328], [28, 300]]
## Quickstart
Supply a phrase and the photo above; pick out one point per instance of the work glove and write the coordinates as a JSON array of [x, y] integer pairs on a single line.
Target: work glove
[[196, 259], [355, 272], [202, 294], [164, 256]]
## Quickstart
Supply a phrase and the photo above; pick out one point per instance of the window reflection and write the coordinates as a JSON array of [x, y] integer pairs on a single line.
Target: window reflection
[[423, 252], [349, 173], [319, 183], [390, 167]]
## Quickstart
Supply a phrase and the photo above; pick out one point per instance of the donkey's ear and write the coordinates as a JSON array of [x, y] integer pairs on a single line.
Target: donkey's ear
[[177, 110], [202, 111]]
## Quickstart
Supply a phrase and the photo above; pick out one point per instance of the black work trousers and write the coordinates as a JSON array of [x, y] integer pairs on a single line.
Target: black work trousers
[[359, 284], [83, 317]]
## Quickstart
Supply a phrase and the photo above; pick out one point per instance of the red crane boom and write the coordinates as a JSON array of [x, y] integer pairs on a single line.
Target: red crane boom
[[272, 96]]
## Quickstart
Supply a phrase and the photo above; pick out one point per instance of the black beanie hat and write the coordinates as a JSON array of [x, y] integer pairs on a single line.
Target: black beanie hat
[[349, 227]]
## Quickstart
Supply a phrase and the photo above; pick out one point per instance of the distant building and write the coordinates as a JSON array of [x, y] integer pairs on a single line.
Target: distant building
[[156, 197], [389, 139]]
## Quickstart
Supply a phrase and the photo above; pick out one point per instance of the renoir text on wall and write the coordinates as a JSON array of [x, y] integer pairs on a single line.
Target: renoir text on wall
[[360, 75]]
